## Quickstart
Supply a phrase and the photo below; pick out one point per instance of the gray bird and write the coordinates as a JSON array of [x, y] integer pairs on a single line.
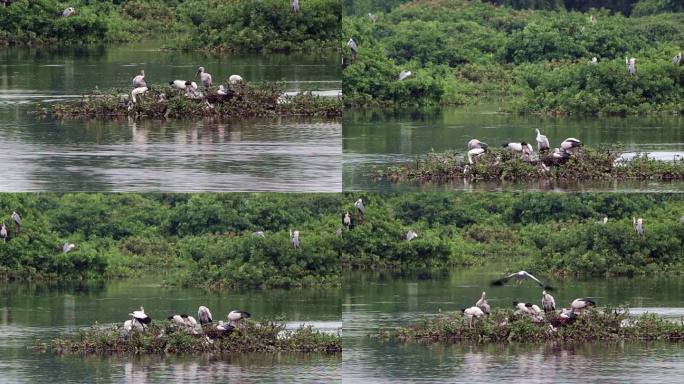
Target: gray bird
[[3, 232], [354, 48], [548, 302], [17, 222]]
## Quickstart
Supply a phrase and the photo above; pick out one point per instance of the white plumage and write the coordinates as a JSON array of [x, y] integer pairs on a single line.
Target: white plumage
[[205, 77], [139, 81], [404, 74], [474, 154], [542, 142], [234, 79], [204, 315]]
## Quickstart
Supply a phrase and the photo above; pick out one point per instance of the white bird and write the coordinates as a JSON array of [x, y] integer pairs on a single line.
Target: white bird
[[372, 17], [677, 59], [234, 79], [352, 45], [571, 144], [294, 238], [581, 304], [593, 61], [68, 247], [560, 155], [592, 19], [295, 5], [17, 222], [139, 81], [525, 308], [139, 321], [68, 12], [204, 315], [222, 90], [518, 147], [472, 313], [548, 302], [475, 143], [474, 154], [346, 220], [542, 142], [3, 232], [410, 235], [182, 84], [404, 74], [259, 234], [521, 275], [205, 77], [140, 91], [638, 225], [234, 317], [223, 326], [605, 220], [631, 66], [360, 207], [483, 304]]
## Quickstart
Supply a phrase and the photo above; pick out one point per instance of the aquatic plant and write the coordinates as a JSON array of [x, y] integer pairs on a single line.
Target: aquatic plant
[[504, 326], [163, 337], [247, 100], [499, 164]]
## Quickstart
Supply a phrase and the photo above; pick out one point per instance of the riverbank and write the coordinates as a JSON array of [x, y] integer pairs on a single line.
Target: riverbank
[[504, 326], [206, 240], [261, 337], [539, 61], [501, 165], [188, 25], [242, 100]]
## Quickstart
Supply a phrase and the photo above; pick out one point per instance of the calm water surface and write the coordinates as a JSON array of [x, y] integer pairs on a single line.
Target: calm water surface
[[39, 312], [376, 139], [172, 155], [372, 301]]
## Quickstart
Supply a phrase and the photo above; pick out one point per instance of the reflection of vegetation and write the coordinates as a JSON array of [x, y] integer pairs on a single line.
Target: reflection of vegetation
[[191, 24], [461, 50], [167, 338], [200, 239], [554, 233], [248, 100], [499, 164], [502, 326]]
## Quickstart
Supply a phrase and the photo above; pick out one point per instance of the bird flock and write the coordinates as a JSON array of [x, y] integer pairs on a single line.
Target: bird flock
[[559, 155], [140, 320], [536, 313]]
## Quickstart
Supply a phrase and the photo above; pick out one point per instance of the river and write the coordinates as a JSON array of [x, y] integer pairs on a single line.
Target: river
[[32, 313], [374, 139], [372, 301], [171, 155]]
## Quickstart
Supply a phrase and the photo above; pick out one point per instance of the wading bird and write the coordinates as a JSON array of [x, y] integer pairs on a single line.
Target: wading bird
[[571, 144], [17, 222], [204, 315], [593, 61], [542, 142], [404, 74], [69, 12], [184, 321], [372, 17], [139, 321], [559, 156], [139, 81], [410, 235], [472, 313], [638, 225], [360, 208], [294, 238], [474, 154], [295, 6], [631, 66], [605, 220], [222, 90], [234, 317], [234, 79], [346, 220], [548, 302], [518, 147], [182, 84], [354, 48], [259, 234], [581, 304], [475, 143], [205, 77], [3, 232], [140, 91], [519, 276], [677, 59], [67, 247], [483, 304]]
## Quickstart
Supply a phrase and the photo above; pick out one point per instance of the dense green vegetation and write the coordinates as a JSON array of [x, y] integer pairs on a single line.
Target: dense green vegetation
[[247, 100], [548, 233], [198, 239], [503, 326], [164, 337], [461, 51], [237, 25], [499, 164]]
